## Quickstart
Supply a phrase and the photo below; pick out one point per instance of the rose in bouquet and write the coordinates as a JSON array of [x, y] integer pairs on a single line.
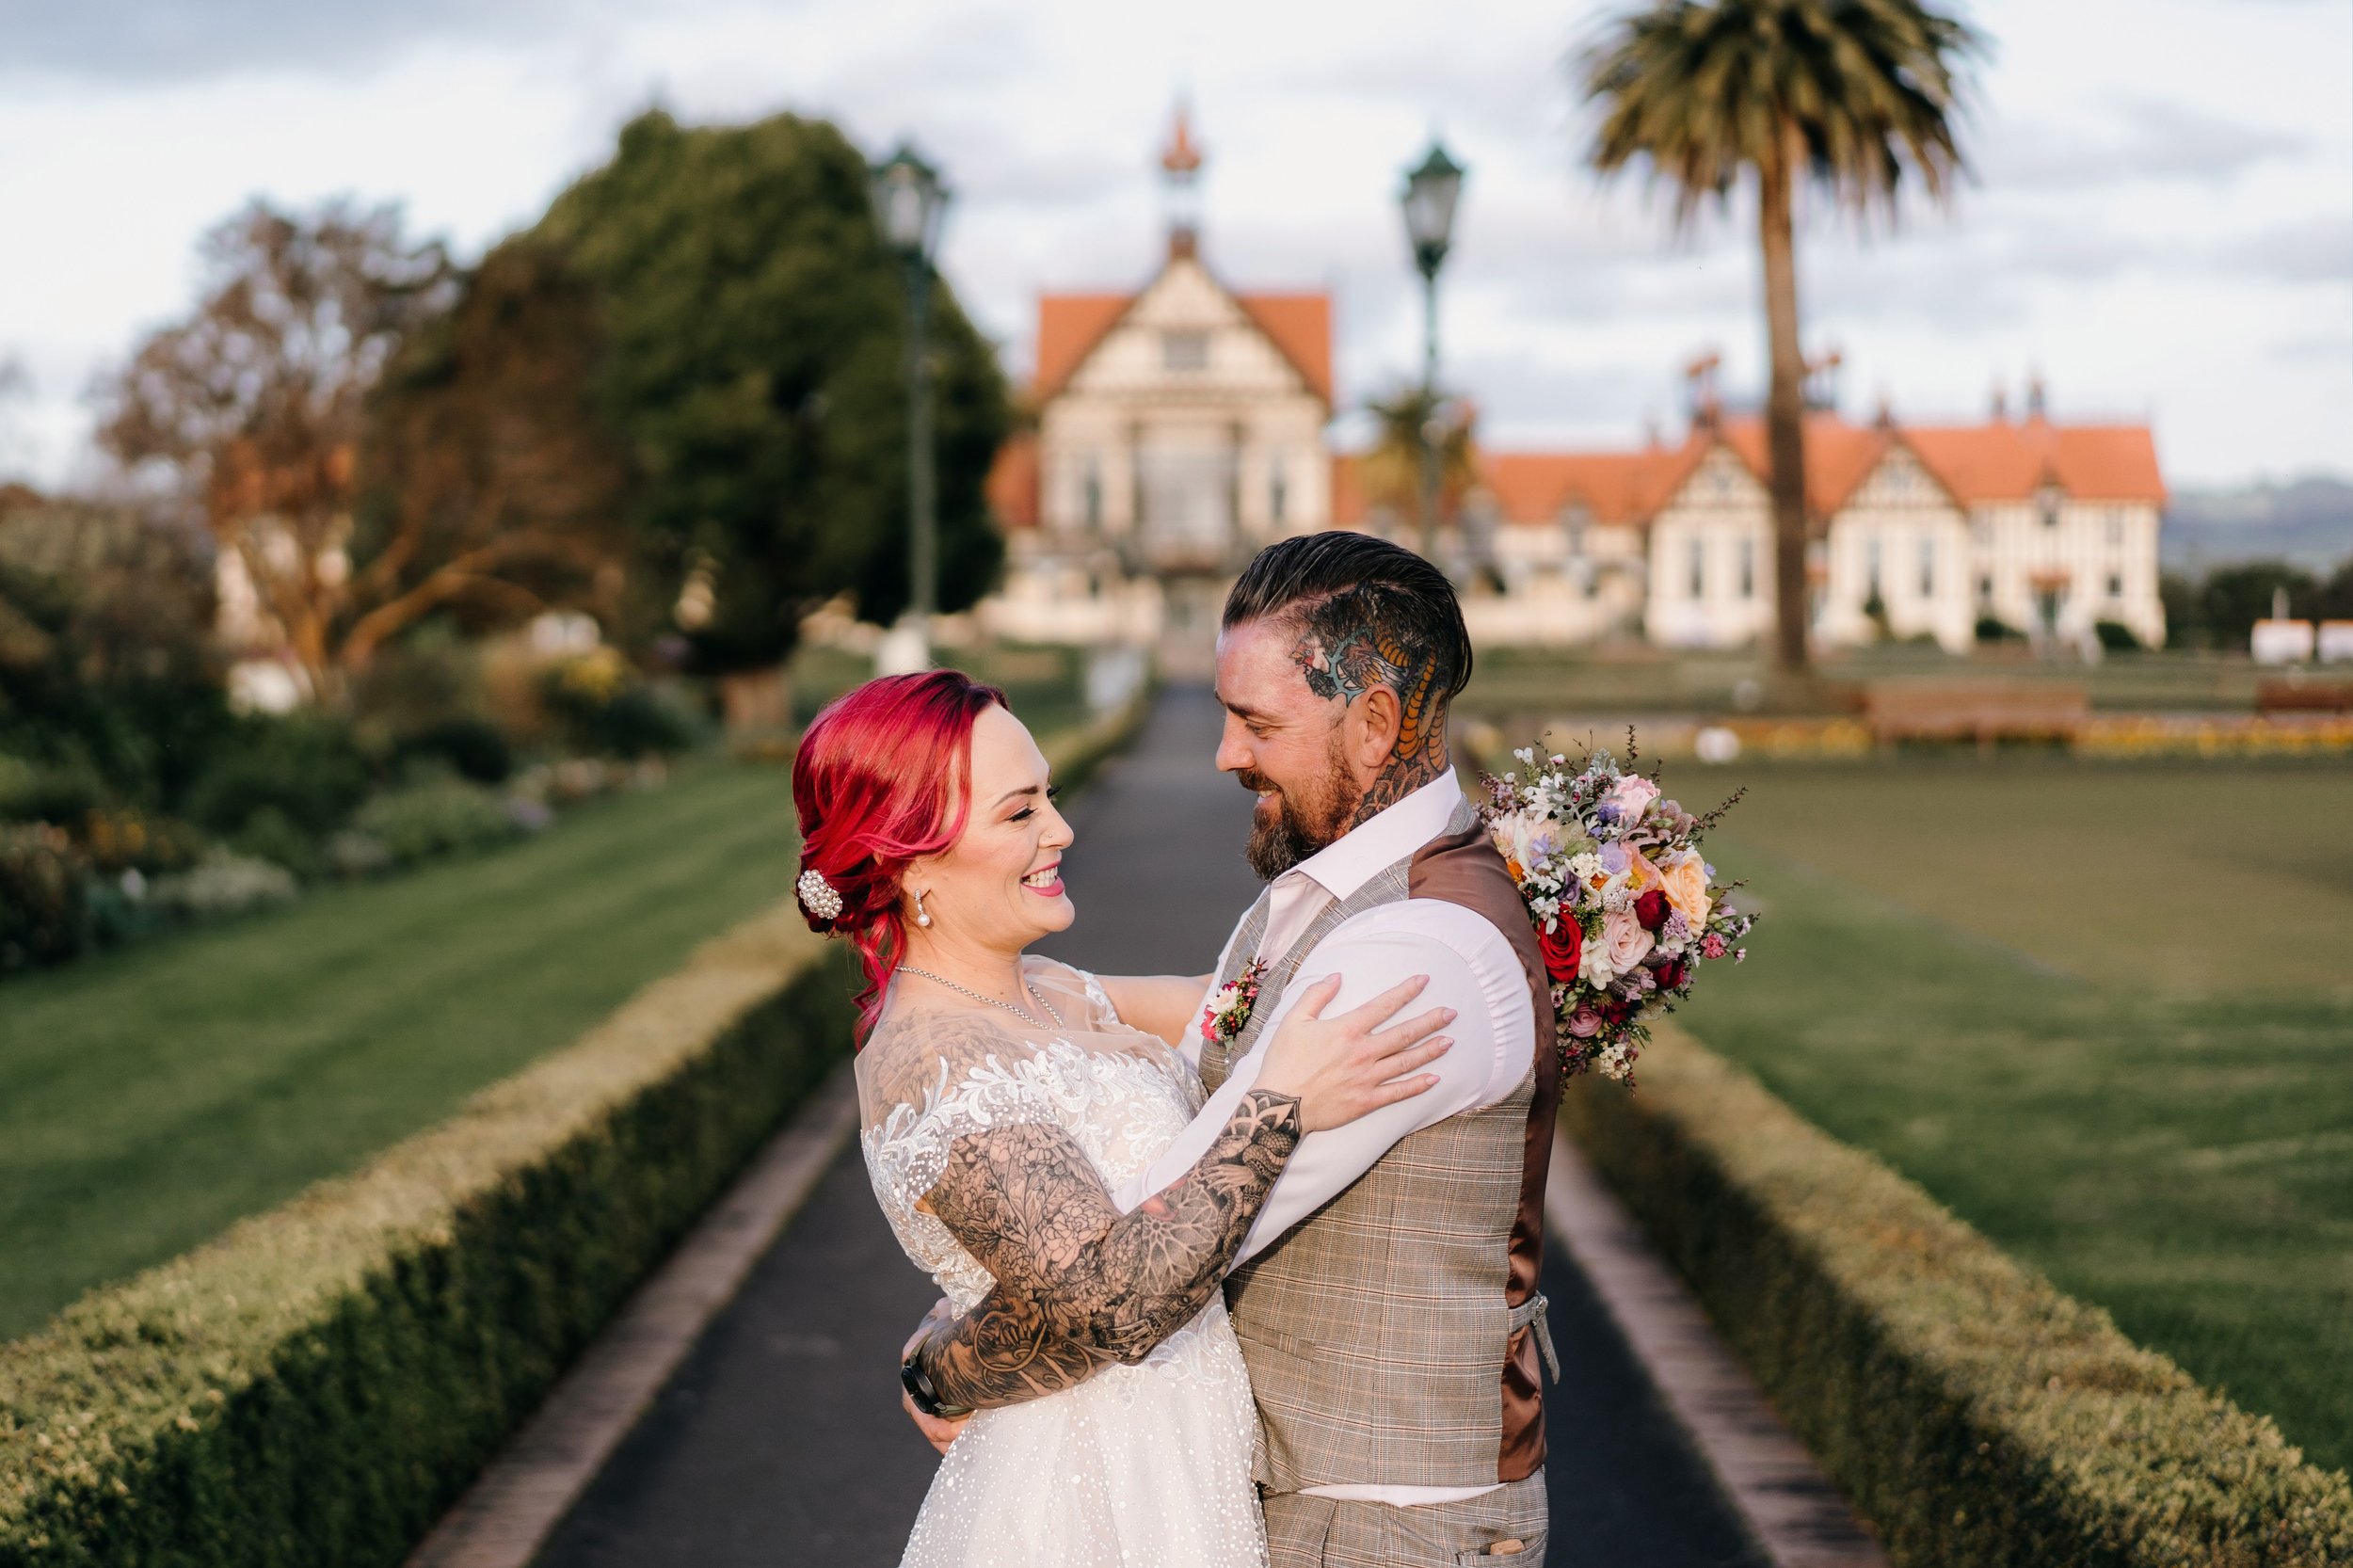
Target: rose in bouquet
[[1627, 908]]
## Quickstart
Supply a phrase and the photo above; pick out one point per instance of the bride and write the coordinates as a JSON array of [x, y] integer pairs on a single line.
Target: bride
[[1004, 1097]]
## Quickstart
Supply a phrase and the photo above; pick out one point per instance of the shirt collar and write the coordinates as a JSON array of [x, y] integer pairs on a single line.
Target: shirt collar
[[1351, 860]]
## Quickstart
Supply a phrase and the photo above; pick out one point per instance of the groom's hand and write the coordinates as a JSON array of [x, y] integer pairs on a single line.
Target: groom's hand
[[937, 1431]]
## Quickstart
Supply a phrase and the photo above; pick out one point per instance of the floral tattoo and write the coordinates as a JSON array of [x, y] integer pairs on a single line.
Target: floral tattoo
[[1358, 639]]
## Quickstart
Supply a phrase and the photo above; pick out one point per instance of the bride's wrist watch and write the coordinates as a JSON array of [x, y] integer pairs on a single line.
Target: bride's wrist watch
[[926, 1398]]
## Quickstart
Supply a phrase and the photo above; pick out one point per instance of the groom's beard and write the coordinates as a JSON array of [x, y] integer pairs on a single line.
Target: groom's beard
[[1305, 820]]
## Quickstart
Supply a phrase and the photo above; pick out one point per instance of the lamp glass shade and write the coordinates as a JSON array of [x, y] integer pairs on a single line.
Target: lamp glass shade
[[1431, 192], [909, 202]]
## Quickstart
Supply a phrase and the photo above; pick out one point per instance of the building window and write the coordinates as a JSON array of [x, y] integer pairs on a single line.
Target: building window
[[2116, 585], [1927, 567], [1278, 491], [2047, 501], [2115, 526], [1698, 576], [1985, 588], [1981, 529], [1573, 522], [1747, 568], [1871, 571], [1091, 489], [1184, 350]]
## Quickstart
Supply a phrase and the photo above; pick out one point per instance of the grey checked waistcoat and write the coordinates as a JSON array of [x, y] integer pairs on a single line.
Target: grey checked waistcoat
[[1393, 1337]]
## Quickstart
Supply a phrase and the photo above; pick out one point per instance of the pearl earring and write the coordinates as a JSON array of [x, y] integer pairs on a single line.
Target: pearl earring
[[922, 917]]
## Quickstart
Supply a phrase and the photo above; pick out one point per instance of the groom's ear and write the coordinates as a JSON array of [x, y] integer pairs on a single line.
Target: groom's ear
[[1376, 719]]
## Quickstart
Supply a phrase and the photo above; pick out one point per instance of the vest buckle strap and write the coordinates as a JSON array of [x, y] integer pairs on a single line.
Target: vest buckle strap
[[1532, 1311]]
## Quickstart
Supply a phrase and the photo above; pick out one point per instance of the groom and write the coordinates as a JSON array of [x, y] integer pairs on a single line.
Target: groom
[[1386, 1300]]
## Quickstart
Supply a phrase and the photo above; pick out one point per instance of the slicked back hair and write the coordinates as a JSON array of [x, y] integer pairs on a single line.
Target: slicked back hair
[[1312, 581]]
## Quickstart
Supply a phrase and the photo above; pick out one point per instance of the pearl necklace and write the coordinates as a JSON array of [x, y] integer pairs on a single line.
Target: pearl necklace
[[1025, 1017]]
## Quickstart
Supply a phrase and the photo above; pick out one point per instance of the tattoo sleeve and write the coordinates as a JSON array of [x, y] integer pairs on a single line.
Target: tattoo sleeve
[[1080, 1285]]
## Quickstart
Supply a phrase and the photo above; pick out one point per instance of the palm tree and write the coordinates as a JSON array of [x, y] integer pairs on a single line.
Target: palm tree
[[1853, 94], [1392, 470]]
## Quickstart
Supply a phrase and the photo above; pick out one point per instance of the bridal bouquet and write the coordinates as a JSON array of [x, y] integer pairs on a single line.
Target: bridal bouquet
[[1625, 906]]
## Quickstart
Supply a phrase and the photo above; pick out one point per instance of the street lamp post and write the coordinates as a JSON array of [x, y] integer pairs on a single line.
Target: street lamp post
[[910, 203], [1428, 199]]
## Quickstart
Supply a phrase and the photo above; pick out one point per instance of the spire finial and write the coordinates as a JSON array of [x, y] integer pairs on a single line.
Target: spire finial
[[1180, 171]]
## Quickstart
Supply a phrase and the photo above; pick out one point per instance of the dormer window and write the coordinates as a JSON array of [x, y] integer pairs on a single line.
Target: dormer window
[[1184, 350], [1573, 521], [2046, 500]]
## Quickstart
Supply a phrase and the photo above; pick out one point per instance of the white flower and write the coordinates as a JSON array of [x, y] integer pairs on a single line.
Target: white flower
[[1592, 966]]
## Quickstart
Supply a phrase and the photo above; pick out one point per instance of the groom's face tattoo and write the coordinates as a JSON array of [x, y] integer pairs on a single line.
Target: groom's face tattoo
[[1287, 683], [1354, 641]]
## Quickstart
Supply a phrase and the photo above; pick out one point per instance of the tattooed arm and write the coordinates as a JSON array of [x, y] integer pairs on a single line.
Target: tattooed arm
[[1080, 1285]]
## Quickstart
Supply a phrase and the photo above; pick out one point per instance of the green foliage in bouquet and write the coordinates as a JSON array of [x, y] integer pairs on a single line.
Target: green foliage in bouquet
[[1975, 1415]]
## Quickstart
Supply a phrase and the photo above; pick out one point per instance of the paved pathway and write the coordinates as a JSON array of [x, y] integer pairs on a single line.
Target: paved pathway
[[780, 1440]]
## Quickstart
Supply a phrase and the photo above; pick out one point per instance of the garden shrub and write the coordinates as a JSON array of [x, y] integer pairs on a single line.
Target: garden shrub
[[437, 817], [223, 885], [306, 766], [271, 834], [43, 895], [2116, 637], [1992, 629], [313, 1389], [120, 839], [1974, 1413], [472, 749]]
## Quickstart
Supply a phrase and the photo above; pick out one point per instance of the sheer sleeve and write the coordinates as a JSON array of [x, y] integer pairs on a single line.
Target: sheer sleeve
[[970, 1145]]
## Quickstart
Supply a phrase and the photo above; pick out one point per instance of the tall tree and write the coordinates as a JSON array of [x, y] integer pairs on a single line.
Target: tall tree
[[754, 339], [253, 407], [491, 486], [1853, 95]]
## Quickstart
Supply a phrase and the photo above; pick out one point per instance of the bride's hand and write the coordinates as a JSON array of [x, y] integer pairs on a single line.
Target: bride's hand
[[1339, 1068]]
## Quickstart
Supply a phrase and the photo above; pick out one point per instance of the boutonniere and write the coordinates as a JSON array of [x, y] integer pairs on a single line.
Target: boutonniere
[[1228, 1013]]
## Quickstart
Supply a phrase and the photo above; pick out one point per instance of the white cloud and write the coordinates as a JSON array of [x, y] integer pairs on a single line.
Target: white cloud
[[2143, 227]]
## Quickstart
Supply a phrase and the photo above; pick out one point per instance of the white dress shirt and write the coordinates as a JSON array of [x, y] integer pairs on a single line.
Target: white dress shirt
[[1472, 969]]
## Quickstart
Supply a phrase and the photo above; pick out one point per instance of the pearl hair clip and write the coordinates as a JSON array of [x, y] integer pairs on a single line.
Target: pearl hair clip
[[818, 896]]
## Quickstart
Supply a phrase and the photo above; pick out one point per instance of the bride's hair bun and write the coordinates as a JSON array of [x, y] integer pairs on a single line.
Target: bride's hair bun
[[879, 781]]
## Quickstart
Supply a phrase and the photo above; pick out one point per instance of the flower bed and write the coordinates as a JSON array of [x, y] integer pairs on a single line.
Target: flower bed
[[1975, 1414]]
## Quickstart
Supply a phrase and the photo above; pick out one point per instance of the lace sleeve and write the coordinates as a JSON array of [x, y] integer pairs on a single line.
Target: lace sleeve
[[930, 1078]]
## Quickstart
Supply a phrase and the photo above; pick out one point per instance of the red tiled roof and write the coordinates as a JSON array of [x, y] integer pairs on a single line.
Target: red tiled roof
[[1070, 325], [2003, 461], [1975, 464], [1301, 326], [1012, 484], [1614, 486]]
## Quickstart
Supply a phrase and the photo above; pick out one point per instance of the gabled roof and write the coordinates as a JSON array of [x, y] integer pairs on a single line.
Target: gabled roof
[[1069, 325], [2004, 462], [1613, 487], [1839, 456]]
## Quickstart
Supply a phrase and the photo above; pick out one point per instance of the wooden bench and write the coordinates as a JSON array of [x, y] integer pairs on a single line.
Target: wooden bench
[[2304, 696], [1981, 710]]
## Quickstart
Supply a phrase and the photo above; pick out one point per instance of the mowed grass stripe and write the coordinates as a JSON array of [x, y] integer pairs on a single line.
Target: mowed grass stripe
[[150, 1099], [2178, 1159]]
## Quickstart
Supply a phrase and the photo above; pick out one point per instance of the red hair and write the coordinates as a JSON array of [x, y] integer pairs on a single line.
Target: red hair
[[883, 778]]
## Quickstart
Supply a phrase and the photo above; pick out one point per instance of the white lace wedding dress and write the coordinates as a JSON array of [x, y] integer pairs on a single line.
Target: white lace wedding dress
[[1141, 1466]]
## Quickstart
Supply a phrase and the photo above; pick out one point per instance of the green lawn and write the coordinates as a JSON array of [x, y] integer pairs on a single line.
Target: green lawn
[[2104, 1012], [1644, 680], [149, 1097]]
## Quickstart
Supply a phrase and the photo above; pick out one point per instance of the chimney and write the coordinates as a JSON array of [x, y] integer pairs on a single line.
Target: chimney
[[1998, 410], [1885, 416], [2034, 397], [1180, 173]]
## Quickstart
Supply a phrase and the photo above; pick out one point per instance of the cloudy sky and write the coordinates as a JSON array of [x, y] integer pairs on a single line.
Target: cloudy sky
[[2162, 220]]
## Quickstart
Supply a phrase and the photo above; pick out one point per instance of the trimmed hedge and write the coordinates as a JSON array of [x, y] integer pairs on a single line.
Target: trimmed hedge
[[319, 1384], [1974, 1413]]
